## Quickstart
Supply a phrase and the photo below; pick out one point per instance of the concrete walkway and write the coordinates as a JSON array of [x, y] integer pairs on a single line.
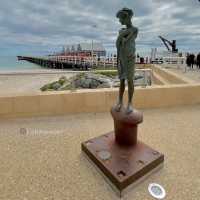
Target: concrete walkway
[[41, 157], [192, 74]]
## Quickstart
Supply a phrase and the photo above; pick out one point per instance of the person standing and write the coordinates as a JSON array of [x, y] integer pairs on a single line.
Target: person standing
[[188, 60], [192, 58], [198, 60]]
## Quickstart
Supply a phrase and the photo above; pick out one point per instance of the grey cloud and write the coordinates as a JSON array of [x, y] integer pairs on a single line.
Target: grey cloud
[[52, 23]]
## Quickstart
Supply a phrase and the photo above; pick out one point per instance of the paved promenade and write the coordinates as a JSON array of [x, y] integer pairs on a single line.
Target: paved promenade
[[41, 157]]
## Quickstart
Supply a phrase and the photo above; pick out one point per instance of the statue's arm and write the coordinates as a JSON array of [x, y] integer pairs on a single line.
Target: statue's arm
[[132, 34]]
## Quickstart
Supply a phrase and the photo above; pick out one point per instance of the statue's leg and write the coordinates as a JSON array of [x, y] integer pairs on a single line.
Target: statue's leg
[[130, 95], [121, 93]]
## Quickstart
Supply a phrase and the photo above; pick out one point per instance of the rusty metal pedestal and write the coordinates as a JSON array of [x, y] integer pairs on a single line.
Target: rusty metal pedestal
[[119, 156]]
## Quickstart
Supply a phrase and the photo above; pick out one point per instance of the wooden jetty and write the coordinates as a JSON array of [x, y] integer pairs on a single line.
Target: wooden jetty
[[58, 62], [72, 62]]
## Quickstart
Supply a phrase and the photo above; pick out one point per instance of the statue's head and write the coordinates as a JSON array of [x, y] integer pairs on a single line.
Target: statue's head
[[124, 16]]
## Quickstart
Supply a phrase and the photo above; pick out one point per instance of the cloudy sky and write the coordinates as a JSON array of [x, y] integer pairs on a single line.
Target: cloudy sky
[[43, 26]]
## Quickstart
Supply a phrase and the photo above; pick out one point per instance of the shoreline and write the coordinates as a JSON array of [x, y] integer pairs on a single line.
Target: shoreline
[[43, 71], [36, 71]]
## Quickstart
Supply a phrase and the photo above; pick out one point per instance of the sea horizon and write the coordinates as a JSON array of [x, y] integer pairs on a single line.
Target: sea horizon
[[11, 63]]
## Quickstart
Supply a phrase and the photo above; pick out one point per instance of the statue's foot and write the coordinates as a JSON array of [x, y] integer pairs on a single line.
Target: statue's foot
[[129, 109], [118, 107]]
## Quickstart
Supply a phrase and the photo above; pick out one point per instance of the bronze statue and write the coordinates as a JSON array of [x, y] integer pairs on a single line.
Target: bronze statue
[[126, 57]]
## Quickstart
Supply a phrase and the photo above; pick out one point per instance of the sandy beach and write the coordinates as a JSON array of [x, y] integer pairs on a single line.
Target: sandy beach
[[28, 80]]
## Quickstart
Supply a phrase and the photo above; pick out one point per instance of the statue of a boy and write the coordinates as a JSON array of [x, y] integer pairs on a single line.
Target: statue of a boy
[[126, 57]]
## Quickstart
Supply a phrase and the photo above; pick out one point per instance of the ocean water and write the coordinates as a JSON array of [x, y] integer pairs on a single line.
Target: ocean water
[[10, 63]]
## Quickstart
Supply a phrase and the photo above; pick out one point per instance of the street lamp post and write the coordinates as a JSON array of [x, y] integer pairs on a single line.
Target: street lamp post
[[92, 54], [95, 27]]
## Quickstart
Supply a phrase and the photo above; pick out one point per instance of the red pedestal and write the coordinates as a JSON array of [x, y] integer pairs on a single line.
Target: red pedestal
[[125, 126]]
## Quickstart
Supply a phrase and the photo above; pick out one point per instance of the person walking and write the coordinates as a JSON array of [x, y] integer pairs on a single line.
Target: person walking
[[188, 60]]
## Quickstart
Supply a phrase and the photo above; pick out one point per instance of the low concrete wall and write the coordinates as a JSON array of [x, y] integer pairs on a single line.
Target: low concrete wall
[[66, 102]]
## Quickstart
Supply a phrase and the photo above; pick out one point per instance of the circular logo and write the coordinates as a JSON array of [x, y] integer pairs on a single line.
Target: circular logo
[[104, 155]]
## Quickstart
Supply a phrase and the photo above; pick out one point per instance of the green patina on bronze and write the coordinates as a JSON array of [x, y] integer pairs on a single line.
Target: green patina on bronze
[[126, 56]]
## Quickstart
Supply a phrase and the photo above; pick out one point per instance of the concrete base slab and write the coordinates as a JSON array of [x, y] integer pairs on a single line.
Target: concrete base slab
[[123, 166]]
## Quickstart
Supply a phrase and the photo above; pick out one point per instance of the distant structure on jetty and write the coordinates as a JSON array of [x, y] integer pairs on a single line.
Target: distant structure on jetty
[[84, 49]]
